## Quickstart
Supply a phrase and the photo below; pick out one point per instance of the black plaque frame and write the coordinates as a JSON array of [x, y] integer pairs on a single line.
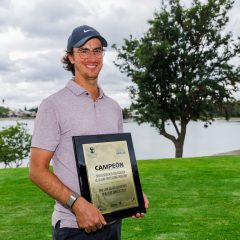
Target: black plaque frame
[[78, 142]]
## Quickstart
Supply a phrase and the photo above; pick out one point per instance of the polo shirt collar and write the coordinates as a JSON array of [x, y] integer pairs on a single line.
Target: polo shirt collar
[[101, 93], [78, 90], [75, 88]]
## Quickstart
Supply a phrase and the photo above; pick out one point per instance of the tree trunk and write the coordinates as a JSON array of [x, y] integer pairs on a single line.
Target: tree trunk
[[179, 143], [179, 148]]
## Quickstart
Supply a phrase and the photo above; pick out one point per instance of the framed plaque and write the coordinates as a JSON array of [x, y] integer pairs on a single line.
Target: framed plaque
[[108, 174]]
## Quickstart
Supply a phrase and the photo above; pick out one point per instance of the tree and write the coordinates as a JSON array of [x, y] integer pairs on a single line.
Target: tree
[[33, 109], [14, 145], [231, 110], [181, 67], [4, 112], [126, 113]]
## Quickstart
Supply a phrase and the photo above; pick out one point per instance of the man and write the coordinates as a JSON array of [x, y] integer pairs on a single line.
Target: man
[[81, 108]]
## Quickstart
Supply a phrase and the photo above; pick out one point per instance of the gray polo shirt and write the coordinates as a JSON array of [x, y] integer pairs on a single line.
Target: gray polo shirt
[[72, 112]]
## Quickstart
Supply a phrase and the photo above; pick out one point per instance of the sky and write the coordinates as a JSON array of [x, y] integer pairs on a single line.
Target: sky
[[33, 37]]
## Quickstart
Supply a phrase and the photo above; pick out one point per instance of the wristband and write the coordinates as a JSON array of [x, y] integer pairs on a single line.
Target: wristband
[[72, 199]]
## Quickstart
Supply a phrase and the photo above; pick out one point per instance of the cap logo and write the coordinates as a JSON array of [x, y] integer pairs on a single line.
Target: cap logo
[[88, 30]]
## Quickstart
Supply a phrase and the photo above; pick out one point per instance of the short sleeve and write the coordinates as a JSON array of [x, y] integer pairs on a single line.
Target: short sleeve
[[46, 133]]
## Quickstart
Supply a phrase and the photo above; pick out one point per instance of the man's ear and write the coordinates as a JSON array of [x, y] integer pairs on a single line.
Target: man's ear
[[71, 58]]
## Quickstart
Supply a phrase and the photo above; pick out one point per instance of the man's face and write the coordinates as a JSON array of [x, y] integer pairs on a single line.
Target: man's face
[[88, 60]]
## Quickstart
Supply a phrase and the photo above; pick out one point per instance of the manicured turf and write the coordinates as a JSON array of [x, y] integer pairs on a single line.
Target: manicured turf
[[197, 198]]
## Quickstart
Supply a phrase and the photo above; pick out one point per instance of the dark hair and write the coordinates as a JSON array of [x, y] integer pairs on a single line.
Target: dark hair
[[67, 65]]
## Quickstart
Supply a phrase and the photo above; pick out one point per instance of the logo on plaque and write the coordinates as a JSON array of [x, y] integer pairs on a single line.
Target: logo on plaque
[[92, 152]]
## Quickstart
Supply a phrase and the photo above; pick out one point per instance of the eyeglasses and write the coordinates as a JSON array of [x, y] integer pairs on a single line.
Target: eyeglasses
[[85, 53]]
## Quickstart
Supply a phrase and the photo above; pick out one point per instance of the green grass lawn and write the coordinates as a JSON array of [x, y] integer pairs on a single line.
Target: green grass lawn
[[190, 199]]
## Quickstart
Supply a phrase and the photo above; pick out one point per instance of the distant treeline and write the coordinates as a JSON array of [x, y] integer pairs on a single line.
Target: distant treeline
[[7, 112], [4, 112], [228, 111]]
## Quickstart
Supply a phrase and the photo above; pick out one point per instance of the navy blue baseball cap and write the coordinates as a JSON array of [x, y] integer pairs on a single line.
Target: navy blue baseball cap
[[80, 35]]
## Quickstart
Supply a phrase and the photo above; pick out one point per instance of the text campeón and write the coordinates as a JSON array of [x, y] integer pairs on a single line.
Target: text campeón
[[109, 166]]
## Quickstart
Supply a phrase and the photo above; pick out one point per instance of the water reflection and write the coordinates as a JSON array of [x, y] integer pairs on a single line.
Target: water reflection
[[220, 137]]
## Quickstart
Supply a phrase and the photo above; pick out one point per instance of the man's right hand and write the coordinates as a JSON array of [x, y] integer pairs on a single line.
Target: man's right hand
[[88, 216]]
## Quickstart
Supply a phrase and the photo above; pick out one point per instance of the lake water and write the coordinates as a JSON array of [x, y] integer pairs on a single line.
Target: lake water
[[221, 136]]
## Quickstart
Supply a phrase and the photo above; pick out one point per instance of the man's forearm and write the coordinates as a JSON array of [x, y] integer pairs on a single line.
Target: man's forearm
[[87, 216], [41, 175], [50, 183]]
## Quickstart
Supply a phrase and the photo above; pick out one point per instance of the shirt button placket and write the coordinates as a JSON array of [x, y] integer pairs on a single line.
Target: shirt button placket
[[96, 117]]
